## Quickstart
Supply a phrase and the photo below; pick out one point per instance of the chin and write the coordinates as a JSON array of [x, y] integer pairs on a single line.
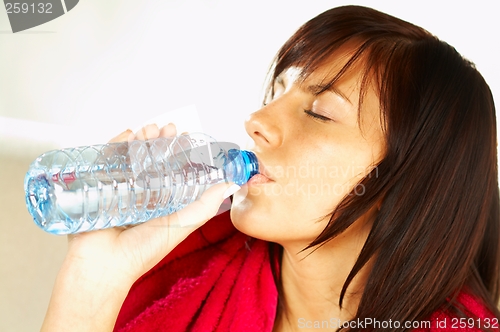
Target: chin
[[242, 216]]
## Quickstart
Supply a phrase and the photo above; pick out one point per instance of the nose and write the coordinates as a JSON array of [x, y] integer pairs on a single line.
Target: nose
[[264, 128]]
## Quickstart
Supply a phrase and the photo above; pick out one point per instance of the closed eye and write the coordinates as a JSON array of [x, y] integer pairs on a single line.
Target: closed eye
[[317, 116]]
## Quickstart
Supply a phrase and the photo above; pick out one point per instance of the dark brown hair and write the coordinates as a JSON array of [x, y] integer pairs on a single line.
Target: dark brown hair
[[437, 232]]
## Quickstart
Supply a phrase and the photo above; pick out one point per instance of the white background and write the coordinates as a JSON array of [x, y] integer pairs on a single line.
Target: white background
[[110, 65]]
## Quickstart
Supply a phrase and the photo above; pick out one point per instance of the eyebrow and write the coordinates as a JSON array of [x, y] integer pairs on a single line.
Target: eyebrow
[[319, 89]]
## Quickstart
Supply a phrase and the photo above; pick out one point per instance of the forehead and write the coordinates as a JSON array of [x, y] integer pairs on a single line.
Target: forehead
[[331, 76], [344, 65]]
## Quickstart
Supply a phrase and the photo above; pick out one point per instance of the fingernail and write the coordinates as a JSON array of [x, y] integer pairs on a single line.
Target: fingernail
[[231, 190]]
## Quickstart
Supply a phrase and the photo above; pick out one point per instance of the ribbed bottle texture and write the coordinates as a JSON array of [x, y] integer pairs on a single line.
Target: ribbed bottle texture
[[94, 187]]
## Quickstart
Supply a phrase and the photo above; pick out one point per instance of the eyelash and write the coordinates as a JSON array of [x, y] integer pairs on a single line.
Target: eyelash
[[317, 116]]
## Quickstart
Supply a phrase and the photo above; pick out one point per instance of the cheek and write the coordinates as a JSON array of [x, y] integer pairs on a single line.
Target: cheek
[[329, 181]]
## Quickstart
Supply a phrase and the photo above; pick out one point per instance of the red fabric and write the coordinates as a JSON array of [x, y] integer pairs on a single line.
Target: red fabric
[[216, 280], [220, 280]]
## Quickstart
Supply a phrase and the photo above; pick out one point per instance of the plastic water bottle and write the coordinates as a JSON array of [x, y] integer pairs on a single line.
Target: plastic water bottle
[[94, 187]]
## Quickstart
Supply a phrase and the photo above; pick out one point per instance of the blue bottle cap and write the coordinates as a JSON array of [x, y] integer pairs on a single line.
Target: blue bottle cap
[[244, 164]]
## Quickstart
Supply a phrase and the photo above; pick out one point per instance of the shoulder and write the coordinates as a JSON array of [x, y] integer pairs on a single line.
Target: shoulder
[[479, 318]]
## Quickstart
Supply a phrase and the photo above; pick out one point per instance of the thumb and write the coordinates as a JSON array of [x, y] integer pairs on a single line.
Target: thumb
[[157, 237], [200, 211]]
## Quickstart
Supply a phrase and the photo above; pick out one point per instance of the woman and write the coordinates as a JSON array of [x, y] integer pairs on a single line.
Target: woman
[[378, 199]]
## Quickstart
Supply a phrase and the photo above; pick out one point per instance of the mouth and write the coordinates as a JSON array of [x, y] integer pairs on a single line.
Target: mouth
[[259, 179], [262, 177]]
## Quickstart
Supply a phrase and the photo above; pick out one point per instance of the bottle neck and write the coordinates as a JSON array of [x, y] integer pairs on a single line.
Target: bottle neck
[[251, 163], [241, 166]]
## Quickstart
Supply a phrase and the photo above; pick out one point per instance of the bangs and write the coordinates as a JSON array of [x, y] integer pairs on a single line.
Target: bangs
[[369, 40]]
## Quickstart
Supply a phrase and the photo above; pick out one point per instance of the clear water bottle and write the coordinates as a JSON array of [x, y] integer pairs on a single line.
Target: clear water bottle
[[94, 187]]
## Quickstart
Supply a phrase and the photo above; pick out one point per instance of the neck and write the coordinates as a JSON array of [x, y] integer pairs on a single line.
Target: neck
[[313, 280]]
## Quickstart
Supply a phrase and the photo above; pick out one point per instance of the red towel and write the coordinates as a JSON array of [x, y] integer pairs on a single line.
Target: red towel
[[218, 279]]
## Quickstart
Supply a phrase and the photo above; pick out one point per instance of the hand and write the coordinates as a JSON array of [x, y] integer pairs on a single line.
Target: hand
[[101, 266], [127, 253]]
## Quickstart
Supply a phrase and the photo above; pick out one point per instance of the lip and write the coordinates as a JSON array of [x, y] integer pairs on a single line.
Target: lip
[[259, 179], [263, 176]]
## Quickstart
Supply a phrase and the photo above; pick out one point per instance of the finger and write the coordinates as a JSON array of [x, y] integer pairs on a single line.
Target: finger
[[148, 132], [169, 130], [125, 136]]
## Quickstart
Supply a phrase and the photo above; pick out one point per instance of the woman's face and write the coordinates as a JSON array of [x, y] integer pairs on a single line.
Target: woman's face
[[313, 150]]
